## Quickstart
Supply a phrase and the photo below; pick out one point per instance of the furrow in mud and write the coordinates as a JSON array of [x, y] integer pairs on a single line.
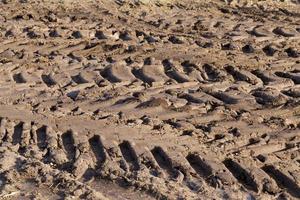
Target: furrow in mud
[[183, 100]]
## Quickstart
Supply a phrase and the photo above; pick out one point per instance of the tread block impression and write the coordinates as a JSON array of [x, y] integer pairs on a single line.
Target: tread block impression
[[242, 175], [283, 180]]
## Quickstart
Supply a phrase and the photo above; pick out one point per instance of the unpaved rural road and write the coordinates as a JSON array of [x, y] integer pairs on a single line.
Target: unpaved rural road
[[149, 100]]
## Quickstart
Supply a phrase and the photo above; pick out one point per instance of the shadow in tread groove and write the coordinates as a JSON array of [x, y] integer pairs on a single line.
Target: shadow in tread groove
[[41, 137], [241, 174], [17, 135], [129, 155], [79, 79], [98, 149], [108, 75], [163, 160], [48, 80], [69, 145], [18, 78], [199, 166], [282, 180], [139, 75]]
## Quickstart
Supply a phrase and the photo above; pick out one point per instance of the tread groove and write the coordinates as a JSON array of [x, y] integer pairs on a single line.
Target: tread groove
[[17, 135], [69, 145], [129, 155], [98, 149], [282, 180], [163, 160], [241, 174], [41, 135]]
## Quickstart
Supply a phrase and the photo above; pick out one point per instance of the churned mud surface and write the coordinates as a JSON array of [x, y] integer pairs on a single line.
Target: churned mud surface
[[149, 99]]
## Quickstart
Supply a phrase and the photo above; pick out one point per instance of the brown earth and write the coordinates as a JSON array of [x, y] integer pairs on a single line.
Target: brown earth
[[149, 100]]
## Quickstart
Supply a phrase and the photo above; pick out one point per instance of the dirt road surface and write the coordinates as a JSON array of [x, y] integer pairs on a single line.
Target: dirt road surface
[[149, 99]]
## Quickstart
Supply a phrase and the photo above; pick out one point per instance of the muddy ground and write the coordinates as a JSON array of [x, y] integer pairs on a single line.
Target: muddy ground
[[149, 100]]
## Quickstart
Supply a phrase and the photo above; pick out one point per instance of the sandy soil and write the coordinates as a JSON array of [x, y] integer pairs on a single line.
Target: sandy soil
[[149, 99]]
